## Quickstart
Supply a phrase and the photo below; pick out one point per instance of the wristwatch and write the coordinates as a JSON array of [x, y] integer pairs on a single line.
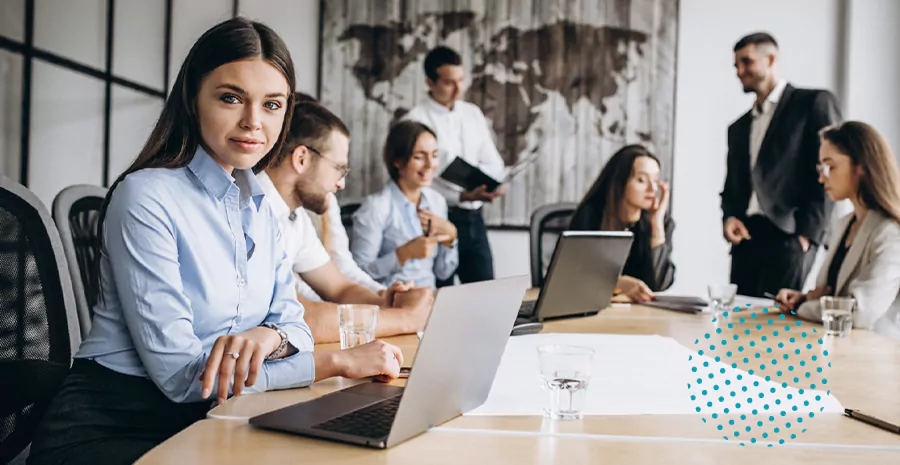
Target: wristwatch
[[284, 340]]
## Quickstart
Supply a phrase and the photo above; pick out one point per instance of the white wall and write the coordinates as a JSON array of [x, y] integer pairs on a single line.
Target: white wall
[[297, 22], [709, 98], [873, 66]]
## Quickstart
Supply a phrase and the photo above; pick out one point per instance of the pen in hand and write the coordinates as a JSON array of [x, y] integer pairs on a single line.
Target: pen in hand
[[777, 301], [428, 228]]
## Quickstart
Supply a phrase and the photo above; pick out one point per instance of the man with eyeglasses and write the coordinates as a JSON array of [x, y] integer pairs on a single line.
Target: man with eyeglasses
[[310, 168], [775, 212]]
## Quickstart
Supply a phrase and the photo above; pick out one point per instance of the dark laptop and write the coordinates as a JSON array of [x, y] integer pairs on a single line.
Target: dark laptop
[[582, 276], [453, 372]]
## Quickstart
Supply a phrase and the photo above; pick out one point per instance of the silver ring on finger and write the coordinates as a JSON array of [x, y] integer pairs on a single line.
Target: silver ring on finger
[[233, 354]]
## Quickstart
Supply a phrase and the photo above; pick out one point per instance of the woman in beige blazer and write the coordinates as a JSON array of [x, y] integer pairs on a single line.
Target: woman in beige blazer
[[863, 261]]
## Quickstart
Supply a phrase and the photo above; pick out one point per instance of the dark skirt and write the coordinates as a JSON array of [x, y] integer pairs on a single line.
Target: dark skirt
[[102, 416]]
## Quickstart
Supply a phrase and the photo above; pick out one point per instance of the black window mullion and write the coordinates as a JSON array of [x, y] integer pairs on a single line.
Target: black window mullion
[[107, 104], [25, 126]]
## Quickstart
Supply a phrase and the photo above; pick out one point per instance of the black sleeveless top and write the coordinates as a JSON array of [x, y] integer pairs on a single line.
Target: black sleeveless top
[[835, 267]]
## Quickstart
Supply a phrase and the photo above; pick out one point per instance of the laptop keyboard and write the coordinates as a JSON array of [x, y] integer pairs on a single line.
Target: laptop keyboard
[[527, 308], [373, 421]]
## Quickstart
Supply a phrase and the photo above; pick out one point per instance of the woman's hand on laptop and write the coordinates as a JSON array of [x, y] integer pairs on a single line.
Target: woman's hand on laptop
[[377, 358], [635, 289]]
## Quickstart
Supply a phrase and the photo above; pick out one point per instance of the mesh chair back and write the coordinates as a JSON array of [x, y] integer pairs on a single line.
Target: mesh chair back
[[38, 323]]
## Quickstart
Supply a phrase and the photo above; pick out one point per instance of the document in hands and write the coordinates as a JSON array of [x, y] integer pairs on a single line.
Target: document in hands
[[463, 174], [632, 375]]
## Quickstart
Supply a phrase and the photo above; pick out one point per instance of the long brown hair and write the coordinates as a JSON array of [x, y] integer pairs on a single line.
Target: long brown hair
[[879, 185], [176, 135], [607, 195]]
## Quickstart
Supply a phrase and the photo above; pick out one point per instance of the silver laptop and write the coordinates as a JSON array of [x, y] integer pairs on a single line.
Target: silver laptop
[[582, 276], [453, 372]]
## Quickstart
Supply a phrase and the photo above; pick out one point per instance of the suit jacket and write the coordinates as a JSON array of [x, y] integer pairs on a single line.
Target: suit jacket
[[870, 273], [785, 172], [652, 266]]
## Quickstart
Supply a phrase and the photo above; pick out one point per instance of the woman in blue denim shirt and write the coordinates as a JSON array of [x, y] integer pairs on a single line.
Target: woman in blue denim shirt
[[402, 232], [197, 296]]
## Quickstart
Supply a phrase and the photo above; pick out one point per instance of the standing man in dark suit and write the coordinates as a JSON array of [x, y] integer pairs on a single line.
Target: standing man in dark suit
[[774, 210]]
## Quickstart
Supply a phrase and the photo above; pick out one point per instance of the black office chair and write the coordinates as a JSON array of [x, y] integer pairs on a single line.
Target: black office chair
[[76, 210], [347, 212], [39, 330], [547, 223]]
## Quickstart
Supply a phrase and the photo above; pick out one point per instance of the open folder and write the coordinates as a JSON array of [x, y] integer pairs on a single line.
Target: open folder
[[689, 304], [463, 174]]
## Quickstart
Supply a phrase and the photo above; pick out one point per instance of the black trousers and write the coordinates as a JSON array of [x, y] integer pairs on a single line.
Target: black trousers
[[101, 416], [770, 260], [476, 263]]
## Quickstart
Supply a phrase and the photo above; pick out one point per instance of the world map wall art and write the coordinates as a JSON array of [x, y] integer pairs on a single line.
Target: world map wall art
[[564, 84]]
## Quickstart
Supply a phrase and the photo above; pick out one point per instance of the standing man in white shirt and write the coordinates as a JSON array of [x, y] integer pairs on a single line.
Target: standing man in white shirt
[[312, 165], [774, 211], [462, 131]]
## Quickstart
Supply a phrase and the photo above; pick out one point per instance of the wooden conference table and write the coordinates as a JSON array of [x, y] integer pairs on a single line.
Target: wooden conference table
[[865, 375]]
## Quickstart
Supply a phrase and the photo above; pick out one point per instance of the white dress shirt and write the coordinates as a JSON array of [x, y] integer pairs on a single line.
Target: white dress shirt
[[463, 132], [302, 245], [339, 249], [758, 127]]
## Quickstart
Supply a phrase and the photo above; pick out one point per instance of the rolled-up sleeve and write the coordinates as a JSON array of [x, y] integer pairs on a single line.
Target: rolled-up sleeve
[[368, 234], [141, 236], [446, 262], [447, 258]]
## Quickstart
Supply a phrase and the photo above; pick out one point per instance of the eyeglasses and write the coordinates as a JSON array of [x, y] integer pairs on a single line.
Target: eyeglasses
[[823, 169], [343, 170]]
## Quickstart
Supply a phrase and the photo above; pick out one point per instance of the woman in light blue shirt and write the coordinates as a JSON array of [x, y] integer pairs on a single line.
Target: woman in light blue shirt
[[402, 233], [197, 294]]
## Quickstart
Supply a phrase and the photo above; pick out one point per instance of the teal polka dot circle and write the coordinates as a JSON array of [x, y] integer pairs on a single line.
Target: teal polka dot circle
[[781, 365]]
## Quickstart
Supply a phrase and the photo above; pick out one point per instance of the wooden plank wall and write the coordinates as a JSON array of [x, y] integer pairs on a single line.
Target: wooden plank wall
[[564, 83]]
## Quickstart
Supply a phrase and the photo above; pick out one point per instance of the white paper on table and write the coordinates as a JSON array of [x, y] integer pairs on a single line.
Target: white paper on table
[[632, 375]]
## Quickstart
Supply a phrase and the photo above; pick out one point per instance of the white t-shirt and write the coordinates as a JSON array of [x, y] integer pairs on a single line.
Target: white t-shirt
[[302, 245]]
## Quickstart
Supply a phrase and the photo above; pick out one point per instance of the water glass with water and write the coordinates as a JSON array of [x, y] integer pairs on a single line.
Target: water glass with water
[[565, 374], [357, 323], [721, 296], [837, 315]]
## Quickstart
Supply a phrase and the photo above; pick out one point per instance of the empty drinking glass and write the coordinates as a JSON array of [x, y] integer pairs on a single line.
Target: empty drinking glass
[[565, 373], [837, 315], [357, 324], [721, 296]]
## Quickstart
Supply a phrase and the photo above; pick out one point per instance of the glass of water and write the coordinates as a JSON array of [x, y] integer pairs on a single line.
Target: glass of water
[[565, 373], [357, 324], [837, 315], [721, 296]]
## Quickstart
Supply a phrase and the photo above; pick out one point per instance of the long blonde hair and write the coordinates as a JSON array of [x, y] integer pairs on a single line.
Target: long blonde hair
[[879, 185]]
